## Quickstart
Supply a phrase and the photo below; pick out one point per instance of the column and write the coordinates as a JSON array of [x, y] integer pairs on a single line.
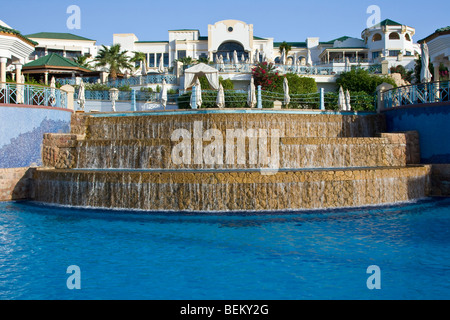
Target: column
[[46, 78], [18, 73], [436, 65], [3, 69]]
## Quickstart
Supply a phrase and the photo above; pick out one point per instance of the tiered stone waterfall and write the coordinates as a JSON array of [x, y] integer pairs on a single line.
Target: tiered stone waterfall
[[325, 161]]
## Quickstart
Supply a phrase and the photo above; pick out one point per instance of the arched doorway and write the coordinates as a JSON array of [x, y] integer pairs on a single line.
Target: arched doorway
[[228, 48]]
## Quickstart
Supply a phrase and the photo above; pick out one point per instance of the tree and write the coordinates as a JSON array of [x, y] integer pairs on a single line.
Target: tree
[[358, 80], [114, 59], [186, 61], [203, 60], [82, 61], [139, 57], [264, 74], [284, 45]]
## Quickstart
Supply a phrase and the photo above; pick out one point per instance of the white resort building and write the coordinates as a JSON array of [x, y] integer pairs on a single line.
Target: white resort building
[[387, 41], [230, 46]]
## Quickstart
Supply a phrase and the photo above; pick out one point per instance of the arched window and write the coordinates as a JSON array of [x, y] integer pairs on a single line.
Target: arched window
[[229, 47], [376, 37], [407, 37], [394, 36], [277, 60]]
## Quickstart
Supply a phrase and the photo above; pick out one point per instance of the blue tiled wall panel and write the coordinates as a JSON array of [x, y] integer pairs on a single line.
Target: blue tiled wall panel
[[21, 132], [433, 125]]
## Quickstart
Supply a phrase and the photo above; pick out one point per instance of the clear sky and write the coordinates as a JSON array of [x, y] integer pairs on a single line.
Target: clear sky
[[279, 19]]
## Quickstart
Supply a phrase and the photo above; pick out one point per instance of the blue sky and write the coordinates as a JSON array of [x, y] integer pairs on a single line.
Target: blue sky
[[280, 19]]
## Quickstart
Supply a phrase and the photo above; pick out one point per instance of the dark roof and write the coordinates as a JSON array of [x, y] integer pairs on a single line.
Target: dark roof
[[437, 33], [387, 22], [164, 41], [57, 35], [54, 60], [341, 39], [18, 34], [292, 44]]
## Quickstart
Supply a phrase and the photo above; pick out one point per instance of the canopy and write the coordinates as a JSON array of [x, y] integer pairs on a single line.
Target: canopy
[[341, 100], [287, 98], [81, 97], [425, 74], [220, 101], [251, 98], [198, 95], [199, 70], [348, 99], [164, 94]]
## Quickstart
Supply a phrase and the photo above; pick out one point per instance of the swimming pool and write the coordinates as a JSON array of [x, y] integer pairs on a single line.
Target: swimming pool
[[287, 255]]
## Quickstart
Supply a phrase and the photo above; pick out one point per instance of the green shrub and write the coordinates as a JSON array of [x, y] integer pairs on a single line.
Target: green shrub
[[358, 80]]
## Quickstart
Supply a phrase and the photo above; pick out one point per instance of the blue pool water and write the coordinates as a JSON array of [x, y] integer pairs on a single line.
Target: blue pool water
[[292, 256]]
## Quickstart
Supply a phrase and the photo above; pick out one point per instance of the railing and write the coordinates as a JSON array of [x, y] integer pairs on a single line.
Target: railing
[[416, 94], [13, 93], [133, 95], [142, 80], [72, 81], [315, 70], [265, 99], [132, 81]]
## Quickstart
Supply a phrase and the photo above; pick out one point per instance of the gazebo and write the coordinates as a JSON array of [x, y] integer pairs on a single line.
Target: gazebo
[[54, 65], [14, 51], [193, 73]]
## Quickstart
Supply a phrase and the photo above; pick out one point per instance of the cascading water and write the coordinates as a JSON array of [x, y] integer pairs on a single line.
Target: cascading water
[[324, 161]]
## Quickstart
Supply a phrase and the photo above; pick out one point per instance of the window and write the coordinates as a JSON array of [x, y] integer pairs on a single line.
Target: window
[[407, 37], [394, 36], [376, 37], [181, 54], [376, 55], [166, 59], [60, 52], [408, 53], [73, 54], [393, 53], [151, 60], [229, 47]]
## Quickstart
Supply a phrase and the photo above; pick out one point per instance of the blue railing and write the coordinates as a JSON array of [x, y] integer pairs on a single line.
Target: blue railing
[[72, 81], [298, 69], [13, 93], [416, 94], [142, 80], [132, 81]]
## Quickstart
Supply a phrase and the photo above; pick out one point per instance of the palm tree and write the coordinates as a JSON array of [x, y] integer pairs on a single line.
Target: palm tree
[[203, 60], [186, 61], [138, 57], [82, 61], [114, 59], [287, 47]]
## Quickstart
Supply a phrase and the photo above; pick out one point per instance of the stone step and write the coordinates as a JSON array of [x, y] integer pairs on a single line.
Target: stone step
[[231, 190]]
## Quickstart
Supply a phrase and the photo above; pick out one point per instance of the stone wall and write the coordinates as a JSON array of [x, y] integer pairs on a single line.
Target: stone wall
[[231, 190], [440, 180], [289, 125], [59, 150], [431, 121], [15, 183]]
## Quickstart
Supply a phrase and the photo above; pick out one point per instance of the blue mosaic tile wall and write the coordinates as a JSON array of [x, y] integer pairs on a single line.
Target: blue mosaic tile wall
[[21, 132], [433, 125]]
